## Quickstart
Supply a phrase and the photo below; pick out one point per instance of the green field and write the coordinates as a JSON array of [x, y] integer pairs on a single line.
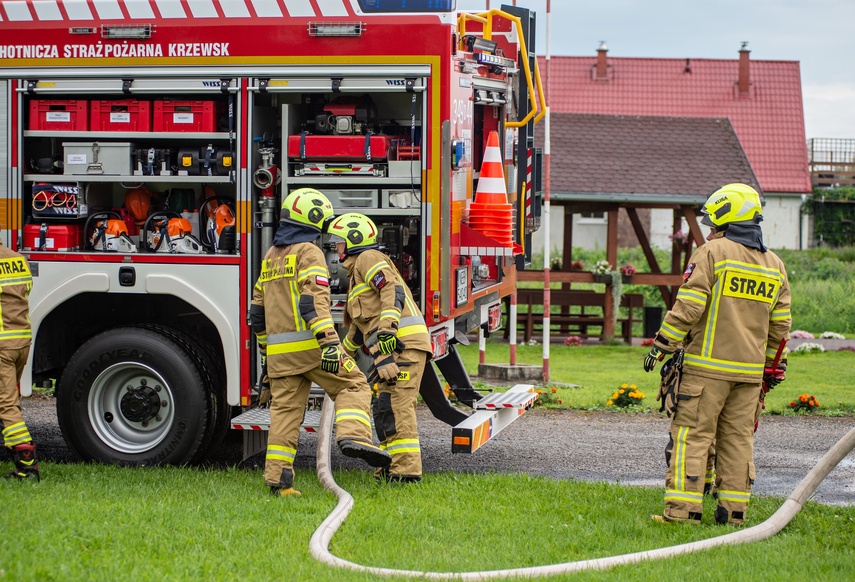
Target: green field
[[584, 377], [94, 522]]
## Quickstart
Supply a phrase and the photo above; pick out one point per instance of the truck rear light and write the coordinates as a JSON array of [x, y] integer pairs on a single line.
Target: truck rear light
[[494, 317], [436, 305], [439, 343]]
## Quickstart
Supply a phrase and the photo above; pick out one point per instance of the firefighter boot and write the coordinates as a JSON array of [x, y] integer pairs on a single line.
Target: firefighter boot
[[734, 518], [26, 466], [382, 475], [693, 517], [368, 452], [285, 487]]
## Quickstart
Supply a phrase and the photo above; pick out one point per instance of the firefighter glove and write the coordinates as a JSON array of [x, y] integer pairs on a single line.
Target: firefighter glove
[[387, 342], [264, 385], [652, 357], [772, 377], [331, 358], [387, 369]]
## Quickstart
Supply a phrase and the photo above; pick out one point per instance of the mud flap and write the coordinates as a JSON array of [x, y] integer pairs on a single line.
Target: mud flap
[[434, 396]]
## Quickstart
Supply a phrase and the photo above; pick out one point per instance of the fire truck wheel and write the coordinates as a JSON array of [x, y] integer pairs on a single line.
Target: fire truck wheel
[[213, 374], [132, 396]]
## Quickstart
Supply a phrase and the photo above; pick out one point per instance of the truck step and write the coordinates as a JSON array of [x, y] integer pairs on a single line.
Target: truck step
[[259, 419], [511, 399], [487, 421]]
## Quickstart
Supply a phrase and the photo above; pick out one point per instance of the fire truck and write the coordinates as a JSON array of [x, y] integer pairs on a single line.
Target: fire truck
[[145, 149]]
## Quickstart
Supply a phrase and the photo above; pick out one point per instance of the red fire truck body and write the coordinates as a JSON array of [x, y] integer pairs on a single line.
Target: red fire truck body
[[146, 147]]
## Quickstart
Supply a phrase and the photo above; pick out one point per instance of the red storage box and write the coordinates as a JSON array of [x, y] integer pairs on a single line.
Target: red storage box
[[58, 115], [53, 237], [338, 147], [187, 115], [120, 115]]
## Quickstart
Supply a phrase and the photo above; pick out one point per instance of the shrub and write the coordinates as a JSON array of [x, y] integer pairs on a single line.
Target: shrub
[[808, 347], [626, 395], [804, 403]]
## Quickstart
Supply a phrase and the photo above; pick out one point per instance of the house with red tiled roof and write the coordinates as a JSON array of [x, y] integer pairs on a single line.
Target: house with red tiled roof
[[762, 100]]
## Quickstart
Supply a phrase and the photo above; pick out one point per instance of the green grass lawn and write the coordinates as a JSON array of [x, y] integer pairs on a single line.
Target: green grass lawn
[[97, 522], [584, 377]]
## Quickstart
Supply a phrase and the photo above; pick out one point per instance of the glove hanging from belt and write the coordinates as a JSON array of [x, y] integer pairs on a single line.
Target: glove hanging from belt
[[669, 387]]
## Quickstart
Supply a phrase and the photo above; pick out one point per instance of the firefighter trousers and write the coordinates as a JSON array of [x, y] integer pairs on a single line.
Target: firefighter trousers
[[14, 429], [290, 394], [711, 410], [395, 416]]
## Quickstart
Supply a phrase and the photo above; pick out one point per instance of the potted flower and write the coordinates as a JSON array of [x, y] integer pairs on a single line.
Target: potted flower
[[627, 271], [602, 272]]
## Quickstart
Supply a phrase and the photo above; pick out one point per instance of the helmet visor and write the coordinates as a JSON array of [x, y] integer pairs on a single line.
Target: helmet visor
[[334, 238], [706, 220]]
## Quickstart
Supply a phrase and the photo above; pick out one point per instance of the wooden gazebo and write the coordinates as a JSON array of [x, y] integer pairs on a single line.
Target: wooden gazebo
[[625, 166]]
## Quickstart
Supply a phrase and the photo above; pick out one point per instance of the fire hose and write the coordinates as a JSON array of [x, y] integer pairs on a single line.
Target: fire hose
[[319, 543]]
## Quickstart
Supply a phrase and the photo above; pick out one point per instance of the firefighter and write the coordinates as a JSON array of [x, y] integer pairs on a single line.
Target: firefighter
[[731, 312], [290, 315], [15, 284], [383, 317]]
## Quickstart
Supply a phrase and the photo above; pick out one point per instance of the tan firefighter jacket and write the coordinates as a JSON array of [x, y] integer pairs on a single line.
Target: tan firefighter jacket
[[380, 301], [290, 311], [731, 312], [15, 284]]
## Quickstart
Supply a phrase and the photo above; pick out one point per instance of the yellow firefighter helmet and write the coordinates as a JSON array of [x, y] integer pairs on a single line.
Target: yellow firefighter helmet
[[357, 231], [732, 203], [307, 207]]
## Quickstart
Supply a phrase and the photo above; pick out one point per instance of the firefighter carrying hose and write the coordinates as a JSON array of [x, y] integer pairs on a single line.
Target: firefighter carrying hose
[[731, 312], [383, 317], [290, 315], [15, 337]]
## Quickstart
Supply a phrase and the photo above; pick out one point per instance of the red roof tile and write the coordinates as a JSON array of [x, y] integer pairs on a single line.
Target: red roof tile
[[769, 122]]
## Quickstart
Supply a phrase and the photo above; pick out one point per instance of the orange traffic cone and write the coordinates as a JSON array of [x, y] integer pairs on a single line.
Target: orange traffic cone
[[490, 213], [491, 183]]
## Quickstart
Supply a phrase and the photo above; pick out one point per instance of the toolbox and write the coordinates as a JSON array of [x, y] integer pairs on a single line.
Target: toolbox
[[97, 158], [338, 147], [59, 115], [199, 116], [58, 201], [120, 115], [53, 237]]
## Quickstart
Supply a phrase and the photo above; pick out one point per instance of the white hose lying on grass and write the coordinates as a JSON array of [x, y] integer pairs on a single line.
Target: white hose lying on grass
[[319, 544]]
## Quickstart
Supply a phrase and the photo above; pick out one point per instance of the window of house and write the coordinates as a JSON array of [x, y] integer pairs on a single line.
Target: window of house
[[592, 218]]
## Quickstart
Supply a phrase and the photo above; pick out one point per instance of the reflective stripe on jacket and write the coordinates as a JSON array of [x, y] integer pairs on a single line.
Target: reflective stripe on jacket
[[15, 284], [731, 312], [293, 292], [379, 300]]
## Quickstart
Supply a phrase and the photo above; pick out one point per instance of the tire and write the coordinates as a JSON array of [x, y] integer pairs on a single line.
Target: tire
[[213, 375], [162, 420]]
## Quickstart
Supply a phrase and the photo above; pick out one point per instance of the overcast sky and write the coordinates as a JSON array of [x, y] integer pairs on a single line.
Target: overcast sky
[[820, 34]]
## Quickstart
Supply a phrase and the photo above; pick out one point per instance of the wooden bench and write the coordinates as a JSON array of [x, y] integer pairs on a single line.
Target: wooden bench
[[571, 321]]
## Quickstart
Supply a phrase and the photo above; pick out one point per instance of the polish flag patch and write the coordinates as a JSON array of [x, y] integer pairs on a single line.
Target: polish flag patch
[[322, 281]]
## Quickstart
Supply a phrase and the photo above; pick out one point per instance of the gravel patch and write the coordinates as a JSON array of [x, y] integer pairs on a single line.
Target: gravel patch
[[563, 444]]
